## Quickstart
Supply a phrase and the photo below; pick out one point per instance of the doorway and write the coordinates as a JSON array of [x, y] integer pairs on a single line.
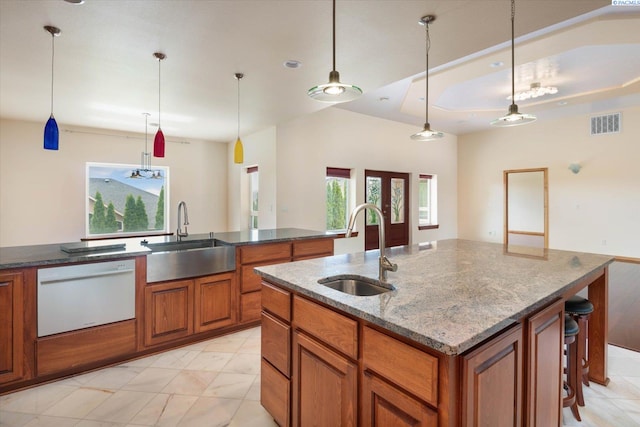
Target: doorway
[[526, 216], [390, 192]]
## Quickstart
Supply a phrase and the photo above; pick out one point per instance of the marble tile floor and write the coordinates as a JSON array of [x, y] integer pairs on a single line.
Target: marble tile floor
[[217, 383]]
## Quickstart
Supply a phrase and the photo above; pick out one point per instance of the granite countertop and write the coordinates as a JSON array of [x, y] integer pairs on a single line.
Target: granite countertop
[[450, 295], [96, 250]]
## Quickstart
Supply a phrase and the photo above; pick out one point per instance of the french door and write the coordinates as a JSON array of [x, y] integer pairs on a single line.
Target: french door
[[390, 192]]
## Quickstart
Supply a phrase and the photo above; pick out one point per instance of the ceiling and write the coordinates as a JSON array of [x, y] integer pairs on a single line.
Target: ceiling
[[106, 75]]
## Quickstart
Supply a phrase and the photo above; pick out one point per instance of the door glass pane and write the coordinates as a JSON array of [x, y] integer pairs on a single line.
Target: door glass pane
[[373, 196], [397, 200]]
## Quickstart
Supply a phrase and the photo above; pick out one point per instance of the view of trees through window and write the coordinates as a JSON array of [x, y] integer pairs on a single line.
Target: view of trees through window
[[337, 183], [124, 200]]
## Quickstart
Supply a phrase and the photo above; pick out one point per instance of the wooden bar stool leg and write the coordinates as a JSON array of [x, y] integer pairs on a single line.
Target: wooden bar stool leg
[[572, 377], [581, 358]]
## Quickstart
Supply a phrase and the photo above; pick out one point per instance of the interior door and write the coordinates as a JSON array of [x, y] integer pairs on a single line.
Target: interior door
[[526, 208], [390, 192]]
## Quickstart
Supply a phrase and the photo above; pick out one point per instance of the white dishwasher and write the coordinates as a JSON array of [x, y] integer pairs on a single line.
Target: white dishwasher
[[84, 295]]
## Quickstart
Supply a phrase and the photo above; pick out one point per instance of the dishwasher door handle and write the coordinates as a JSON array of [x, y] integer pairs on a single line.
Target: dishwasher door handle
[[85, 276]]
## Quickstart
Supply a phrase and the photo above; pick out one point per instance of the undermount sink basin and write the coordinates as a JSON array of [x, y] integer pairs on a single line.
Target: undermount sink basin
[[356, 285], [180, 246]]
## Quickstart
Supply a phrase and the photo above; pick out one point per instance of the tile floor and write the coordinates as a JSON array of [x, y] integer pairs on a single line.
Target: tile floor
[[217, 383]]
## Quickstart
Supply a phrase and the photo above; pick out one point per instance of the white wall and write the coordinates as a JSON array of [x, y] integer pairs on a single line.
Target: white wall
[[596, 210], [259, 150], [339, 138], [42, 192]]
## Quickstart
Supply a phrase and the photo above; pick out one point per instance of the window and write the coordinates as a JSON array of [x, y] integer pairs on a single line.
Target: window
[[337, 182], [427, 202], [253, 197], [125, 200]]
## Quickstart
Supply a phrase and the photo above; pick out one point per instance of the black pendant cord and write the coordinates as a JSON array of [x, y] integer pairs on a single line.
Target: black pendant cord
[[513, 63], [426, 75], [238, 78], [334, 35], [52, 60], [159, 83]]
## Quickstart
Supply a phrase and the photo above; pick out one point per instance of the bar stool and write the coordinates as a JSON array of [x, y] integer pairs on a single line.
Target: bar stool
[[571, 330], [580, 310]]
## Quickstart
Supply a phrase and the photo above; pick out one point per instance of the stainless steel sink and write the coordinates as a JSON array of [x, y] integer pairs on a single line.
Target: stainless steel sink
[[183, 262], [356, 285], [180, 246]]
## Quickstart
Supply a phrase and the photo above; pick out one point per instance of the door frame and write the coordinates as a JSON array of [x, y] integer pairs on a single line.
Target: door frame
[[545, 233]]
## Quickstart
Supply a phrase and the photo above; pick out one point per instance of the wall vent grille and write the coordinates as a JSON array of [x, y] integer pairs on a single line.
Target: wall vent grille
[[609, 123]]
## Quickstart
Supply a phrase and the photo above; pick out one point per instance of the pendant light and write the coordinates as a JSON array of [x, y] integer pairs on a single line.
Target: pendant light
[[158, 141], [334, 92], [426, 134], [238, 151], [51, 134], [145, 170], [513, 117]]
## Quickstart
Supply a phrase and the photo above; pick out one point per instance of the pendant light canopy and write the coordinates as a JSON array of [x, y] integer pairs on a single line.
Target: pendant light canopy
[[158, 141], [427, 134], [334, 92], [513, 117], [51, 134], [238, 151]]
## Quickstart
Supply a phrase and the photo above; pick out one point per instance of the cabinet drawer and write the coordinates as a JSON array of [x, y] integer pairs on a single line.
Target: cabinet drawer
[[412, 369], [311, 248], [276, 301], [265, 252], [276, 343], [249, 280], [250, 307], [274, 393], [326, 325]]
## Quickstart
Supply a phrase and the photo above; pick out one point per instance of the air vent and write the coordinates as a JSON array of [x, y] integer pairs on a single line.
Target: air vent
[[609, 123]]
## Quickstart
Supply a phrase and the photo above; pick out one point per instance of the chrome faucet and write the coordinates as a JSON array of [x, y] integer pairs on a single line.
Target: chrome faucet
[[180, 233], [384, 264]]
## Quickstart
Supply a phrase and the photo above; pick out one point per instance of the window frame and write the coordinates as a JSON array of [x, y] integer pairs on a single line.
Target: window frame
[[254, 215], [432, 181]]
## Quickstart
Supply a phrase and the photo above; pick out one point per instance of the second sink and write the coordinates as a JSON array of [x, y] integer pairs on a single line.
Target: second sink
[[356, 285]]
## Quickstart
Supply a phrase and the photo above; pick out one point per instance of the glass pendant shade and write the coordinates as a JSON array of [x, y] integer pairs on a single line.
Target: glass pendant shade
[[513, 117], [51, 134], [427, 134], [158, 144], [158, 140], [238, 152], [334, 92]]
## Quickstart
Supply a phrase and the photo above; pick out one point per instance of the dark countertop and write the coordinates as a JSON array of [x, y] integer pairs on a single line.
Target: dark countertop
[[450, 295], [52, 254]]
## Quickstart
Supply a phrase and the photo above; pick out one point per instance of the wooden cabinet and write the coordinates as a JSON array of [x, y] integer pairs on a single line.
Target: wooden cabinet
[[275, 384], [11, 327], [545, 341], [324, 385], [249, 257], [386, 405], [492, 382], [215, 302], [168, 311]]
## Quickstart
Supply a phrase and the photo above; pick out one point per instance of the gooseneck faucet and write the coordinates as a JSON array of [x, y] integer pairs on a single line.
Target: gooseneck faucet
[[182, 206], [384, 264]]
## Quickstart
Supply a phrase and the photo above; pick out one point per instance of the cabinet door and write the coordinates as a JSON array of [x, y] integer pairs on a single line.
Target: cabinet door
[[492, 382], [168, 311], [215, 302], [11, 327], [545, 342], [325, 385], [385, 405]]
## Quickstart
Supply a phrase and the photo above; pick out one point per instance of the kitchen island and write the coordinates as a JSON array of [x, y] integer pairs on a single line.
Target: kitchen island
[[472, 334]]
